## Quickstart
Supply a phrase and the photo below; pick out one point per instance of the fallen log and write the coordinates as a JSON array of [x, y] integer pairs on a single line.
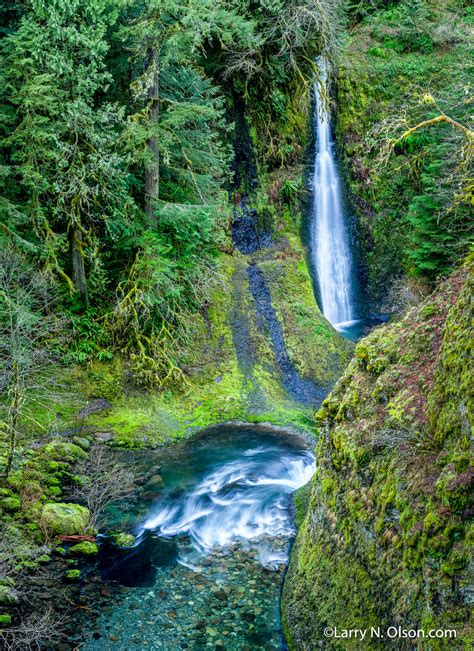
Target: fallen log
[[76, 538]]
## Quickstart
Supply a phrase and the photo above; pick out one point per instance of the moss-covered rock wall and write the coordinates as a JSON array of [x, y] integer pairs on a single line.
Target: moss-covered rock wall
[[387, 538]]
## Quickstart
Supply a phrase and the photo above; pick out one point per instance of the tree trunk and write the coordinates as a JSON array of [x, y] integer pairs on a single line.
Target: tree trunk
[[152, 171], [14, 414], [77, 257]]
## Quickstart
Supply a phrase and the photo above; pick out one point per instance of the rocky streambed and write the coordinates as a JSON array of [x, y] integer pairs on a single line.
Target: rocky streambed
[[212, 524]]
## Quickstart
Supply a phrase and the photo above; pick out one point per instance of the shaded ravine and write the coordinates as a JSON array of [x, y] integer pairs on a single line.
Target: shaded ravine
[[214, 526]]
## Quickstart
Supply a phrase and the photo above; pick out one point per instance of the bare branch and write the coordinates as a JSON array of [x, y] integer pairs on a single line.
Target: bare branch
[[103, 481]]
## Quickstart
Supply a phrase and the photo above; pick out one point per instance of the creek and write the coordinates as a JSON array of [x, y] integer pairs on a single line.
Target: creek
[[213, 525]]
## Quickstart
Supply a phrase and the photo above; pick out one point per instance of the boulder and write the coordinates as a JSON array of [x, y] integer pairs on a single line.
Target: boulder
[[65, 519], [73, 575], [82, 442], [99, 404], [123, 539], [85, 548], [8, 596], [103, 437]]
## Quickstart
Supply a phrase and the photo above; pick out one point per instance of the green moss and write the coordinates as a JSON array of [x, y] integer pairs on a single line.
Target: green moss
[[82, 442], [123, 539], [5, 620], [63, 451], [65, 519], [301, 500], [85, 548], [451, 399], [314, 347], [73, 575], [389, 495], [10, 504]]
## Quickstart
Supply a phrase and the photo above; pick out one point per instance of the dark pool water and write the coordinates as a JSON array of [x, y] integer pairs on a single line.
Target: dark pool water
[[355, 330], [213, 524]]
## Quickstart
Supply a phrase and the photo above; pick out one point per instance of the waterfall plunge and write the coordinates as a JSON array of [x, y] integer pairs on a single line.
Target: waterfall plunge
[[331, 251]]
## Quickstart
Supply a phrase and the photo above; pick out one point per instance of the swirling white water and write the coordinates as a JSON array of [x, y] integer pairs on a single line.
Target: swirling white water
[[213, 524], [244, 500]]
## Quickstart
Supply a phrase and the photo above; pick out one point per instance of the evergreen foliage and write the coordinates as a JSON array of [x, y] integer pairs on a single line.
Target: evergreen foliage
[[116, 150]]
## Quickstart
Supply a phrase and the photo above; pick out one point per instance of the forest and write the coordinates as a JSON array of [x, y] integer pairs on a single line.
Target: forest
[[158, 277]]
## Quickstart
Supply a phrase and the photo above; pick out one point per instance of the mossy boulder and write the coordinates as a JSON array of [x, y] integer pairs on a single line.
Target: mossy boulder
[[8, 596], [123, 539], [11, 504], [82, 442], [64, 451], [73, 575], [85, 548], [65, 519]]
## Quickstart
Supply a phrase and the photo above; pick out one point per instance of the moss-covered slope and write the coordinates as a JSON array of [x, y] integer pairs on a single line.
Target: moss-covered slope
[[231, 369], [387, 536]]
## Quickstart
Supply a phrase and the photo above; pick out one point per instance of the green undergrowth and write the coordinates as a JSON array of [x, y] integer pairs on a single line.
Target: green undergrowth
[[405, 63], [389, 513]]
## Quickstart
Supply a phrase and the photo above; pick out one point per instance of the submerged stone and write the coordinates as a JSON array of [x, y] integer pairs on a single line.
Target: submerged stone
[[155, 481]]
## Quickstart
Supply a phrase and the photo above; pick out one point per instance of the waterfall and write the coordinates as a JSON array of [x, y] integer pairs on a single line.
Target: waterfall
[[330, 241]]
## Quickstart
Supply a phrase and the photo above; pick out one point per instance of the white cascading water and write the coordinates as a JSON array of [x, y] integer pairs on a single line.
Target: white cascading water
[[330, 242], [241, 501]]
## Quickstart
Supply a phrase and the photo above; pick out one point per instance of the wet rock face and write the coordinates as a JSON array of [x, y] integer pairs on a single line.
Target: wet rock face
[[250, 233], [299, 388], [97, 405], [386, 539]]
